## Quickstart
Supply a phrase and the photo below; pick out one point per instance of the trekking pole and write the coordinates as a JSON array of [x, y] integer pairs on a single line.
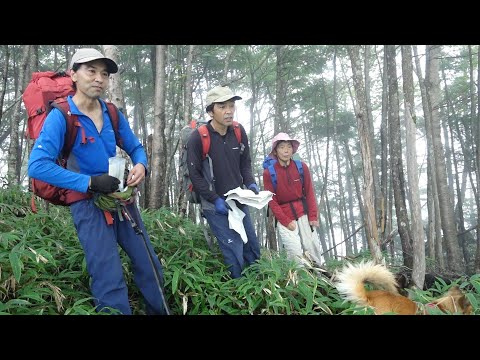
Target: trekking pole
[[139, 231]]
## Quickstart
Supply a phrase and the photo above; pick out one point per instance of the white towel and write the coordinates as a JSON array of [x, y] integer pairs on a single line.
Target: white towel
[[247, 197]]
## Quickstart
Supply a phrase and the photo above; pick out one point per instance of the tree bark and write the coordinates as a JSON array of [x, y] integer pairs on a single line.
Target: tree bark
[[477, 164], [141, 132], [368, 186], [159, 159], [187, 114], [398, 178], [434, 237], [454, 259], [418, 236], [13, 172]]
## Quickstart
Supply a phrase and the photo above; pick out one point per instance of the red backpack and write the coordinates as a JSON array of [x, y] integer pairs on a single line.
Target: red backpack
[[185, 133], [49, 90]]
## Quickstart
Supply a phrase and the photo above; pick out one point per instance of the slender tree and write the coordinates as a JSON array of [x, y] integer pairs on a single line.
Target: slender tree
[[363, 131], [418, 237], [13, 173], [159, 159], [454, 259]]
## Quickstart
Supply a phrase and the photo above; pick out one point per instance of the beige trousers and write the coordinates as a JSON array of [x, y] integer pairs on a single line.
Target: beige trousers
[[301, 242]]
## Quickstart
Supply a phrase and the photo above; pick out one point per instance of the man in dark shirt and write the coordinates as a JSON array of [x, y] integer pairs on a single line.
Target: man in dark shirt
[[232, 168]]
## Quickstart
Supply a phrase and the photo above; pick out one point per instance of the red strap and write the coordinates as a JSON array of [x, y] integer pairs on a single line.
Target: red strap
[[238, 131], [205, 137], [193, 124], [32, 200], [115, 119], [108, 217], [32, 204], [72, 196], [72, 126], [76, 124]]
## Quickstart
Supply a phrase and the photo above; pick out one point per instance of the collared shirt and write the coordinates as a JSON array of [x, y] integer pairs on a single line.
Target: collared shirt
[[85, 160]]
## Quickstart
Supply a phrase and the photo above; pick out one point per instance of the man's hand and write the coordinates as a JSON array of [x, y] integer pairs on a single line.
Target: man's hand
[[254, 188], [104, 184], [136, 175], [221, 206]]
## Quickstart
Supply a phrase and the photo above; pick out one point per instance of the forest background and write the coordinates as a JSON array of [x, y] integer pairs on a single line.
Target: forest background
[[390, 134]]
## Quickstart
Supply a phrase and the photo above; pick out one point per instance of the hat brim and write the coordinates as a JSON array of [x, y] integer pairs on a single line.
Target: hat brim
[[112, 67], [295, 145], [225, 98]]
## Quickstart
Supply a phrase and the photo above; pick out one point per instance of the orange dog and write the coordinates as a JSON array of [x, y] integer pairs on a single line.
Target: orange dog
[[351, 285]]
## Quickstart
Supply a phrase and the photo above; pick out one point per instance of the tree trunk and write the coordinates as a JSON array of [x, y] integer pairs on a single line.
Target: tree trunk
[[371, 136], [187, 114], [13, 171], [157, 167], [459, 206], [432, 81], [142, 126], [434, 237], [418, 236], [477, 172], [385, 205], [398, 178], [281, 124], [115, 90], [363, 132]]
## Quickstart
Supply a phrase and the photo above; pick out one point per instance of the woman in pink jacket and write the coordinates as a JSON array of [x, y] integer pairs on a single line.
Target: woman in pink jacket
[[294, 204]]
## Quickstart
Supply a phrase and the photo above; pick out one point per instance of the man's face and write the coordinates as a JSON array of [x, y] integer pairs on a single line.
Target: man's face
[[223, 112], [92, 78]]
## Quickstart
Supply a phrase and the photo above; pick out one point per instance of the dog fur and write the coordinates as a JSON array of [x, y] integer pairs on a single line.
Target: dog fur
[[351, 282]]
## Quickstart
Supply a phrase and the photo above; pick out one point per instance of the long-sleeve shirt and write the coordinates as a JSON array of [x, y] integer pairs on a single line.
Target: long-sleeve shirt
[[230, 168], [85, 160], [289, 192]]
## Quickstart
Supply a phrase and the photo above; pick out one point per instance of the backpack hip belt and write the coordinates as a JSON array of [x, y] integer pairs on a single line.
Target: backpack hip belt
[[72, 196]]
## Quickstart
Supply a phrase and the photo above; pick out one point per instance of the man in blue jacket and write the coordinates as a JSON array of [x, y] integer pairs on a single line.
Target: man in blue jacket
[[232, 168], [87, 173]]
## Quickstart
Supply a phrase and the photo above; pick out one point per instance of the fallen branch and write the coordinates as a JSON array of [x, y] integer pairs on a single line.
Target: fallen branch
[[343, 240]]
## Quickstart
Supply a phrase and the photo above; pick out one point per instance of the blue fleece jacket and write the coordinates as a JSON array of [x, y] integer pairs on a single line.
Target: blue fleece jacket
[[85, 160]]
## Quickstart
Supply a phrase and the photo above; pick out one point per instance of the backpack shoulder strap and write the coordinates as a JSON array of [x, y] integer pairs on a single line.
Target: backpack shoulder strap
[[273, 175], [72, 125], [205, 137], [304, 198], [115, 118], [238, 131], [300, 169]]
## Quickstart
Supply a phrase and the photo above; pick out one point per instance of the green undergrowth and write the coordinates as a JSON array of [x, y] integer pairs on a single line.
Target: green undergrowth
[[43, 271]]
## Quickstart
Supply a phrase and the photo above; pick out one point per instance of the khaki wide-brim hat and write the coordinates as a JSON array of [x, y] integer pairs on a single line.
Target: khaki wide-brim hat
[[88, 54], [284, 137], [221, 94]]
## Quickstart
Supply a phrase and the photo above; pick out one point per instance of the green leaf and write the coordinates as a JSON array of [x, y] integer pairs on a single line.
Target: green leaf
[[16, 265], [175, 278]]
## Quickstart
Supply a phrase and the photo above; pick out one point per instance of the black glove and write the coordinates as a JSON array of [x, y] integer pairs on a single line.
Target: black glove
[[104, 184]]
